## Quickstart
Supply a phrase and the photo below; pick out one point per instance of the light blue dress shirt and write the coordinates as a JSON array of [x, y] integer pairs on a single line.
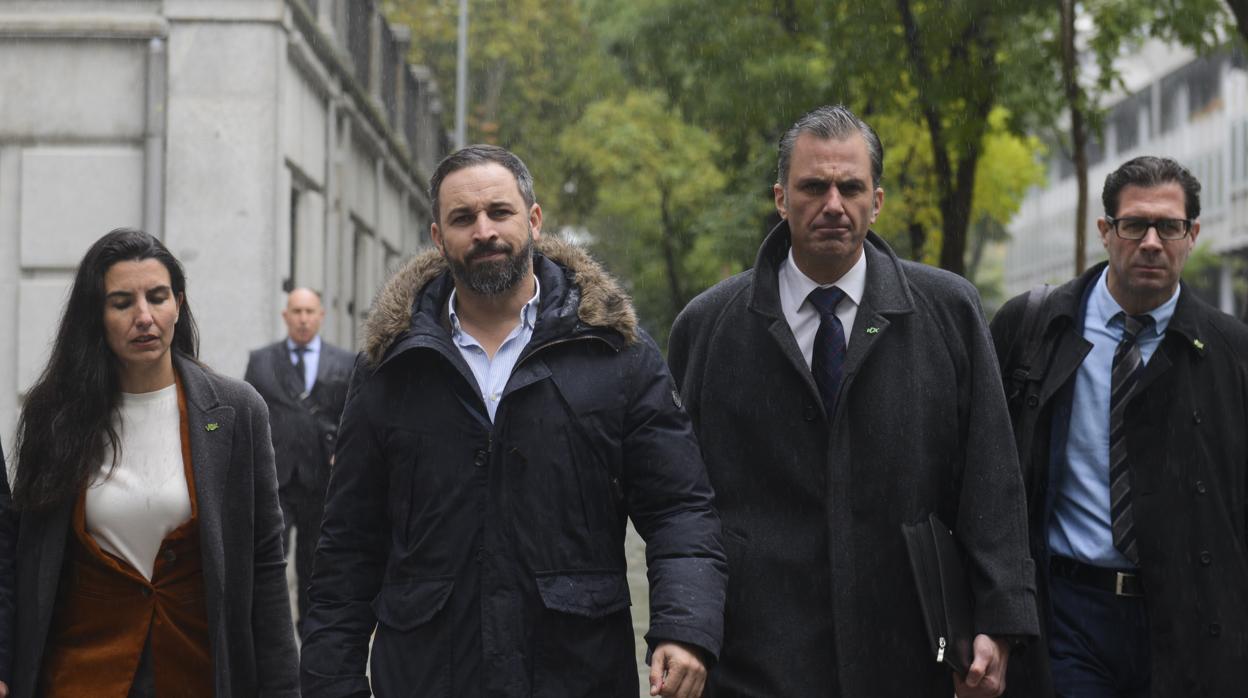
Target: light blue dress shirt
[[1081, 521], [311, 360], [492, 374]]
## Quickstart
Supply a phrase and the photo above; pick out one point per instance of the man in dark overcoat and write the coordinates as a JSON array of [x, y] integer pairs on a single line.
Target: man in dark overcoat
[[304, 381], [827, 424], [508, 417], [1129, 396]]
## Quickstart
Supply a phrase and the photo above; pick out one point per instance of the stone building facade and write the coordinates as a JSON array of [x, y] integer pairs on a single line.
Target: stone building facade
[[268, 143], [1177, 104]]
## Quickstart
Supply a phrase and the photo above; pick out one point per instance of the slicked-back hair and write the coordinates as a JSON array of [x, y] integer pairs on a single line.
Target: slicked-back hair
[[481, 154], [1150, 171], [66, 427], [835, 122]]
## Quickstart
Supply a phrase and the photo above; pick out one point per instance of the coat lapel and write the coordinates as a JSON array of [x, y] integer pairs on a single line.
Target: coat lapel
[[51, 549], [323, 368], [291, 382], [885, 295], [212, 437], [1068, 355], [765, 300]]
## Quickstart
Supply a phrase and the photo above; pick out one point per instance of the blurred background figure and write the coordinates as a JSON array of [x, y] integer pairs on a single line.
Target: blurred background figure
[[303, 379], [137, 468]]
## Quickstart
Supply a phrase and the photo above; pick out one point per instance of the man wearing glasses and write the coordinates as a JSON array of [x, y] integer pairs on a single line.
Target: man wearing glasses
[[1129, 398]]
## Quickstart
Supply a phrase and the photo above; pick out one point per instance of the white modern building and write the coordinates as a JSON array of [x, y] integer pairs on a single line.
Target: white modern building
[[269, 143], [1177, 104]]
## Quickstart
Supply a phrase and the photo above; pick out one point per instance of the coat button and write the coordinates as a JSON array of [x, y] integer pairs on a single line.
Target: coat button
[[810, 413], [1197, 417], [478, 459], [329, 437], [170, 555], [1033, 400], [147, 592], [480, 553], [1215, 630], [1205, 558], [1200, 487]]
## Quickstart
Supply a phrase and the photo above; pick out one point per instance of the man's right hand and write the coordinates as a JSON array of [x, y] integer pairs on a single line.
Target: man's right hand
[[675, 670]]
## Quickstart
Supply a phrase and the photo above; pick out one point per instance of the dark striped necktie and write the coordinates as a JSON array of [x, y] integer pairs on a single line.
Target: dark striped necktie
[[828, 357], [1126, 369]]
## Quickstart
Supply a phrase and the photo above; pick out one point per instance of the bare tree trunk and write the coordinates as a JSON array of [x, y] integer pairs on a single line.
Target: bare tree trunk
[[1240, 9], [674, 288], [1078, 132], [956, 187], [978, 244], [786, 12], [918, 240]]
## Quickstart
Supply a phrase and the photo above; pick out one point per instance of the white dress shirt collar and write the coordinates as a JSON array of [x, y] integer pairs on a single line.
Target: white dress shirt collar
[[802, 317]]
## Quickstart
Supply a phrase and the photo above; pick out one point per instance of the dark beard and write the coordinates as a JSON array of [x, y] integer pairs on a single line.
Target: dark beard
[[492, 278]]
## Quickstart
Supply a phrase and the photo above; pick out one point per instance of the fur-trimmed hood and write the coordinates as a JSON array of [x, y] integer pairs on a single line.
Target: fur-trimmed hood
[[602, 302]]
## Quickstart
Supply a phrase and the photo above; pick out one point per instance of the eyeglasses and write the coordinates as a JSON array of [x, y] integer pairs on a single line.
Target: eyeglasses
[[1132, 228]]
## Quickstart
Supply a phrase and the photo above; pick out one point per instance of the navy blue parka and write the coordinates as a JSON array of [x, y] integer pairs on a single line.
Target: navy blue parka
[[490, 556]]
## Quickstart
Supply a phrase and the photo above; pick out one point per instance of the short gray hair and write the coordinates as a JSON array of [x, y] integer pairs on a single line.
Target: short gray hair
[[834, 121]]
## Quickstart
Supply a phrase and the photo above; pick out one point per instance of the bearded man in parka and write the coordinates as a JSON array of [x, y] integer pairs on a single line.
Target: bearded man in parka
[[506, 418]]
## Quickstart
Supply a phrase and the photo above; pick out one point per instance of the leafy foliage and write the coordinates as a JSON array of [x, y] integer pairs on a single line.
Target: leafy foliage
[[651, 125], [658, 190]]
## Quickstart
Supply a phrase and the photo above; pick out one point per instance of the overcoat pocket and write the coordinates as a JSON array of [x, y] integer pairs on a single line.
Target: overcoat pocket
[[407, 604], [592, 595], [584, 640]]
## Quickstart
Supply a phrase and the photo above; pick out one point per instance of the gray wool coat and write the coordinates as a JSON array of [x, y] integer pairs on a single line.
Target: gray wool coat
[[240, 525], [821, 600]]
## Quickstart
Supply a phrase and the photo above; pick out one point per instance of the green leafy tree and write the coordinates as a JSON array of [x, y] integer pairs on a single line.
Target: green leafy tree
[[1079, 63], [534, 65], [658, 189], [911, 219]]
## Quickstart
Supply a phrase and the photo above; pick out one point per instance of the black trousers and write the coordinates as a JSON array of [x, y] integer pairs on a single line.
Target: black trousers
[[303, 506], [1098, 643]]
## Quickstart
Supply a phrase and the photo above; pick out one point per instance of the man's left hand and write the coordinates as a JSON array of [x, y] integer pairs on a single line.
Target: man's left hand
[[986, 677], [676, 670]]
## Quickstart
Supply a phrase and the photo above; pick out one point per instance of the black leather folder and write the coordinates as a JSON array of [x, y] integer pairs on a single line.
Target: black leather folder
[[944, 592]]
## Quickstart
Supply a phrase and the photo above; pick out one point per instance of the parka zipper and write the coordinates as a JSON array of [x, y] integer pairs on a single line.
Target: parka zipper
[[555, 342]]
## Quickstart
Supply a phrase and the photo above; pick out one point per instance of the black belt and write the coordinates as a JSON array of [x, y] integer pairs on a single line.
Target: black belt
[[1118, 582]]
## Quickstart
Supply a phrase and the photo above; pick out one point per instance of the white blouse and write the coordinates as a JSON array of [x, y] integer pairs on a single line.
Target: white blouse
[[132, 507]]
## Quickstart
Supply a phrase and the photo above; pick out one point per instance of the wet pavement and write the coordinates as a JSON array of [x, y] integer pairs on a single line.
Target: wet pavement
[[639, 588]]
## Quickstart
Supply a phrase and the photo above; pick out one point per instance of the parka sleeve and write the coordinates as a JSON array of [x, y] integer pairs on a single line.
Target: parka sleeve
[[669, 499], [277, 659], [350, 558]]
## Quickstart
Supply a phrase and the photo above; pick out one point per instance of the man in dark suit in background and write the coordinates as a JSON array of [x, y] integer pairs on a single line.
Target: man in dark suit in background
[[304, 381]]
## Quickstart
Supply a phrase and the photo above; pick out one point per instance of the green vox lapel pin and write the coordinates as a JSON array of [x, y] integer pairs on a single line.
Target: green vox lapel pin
[[873, 330], [211, 426], [1198, 344]]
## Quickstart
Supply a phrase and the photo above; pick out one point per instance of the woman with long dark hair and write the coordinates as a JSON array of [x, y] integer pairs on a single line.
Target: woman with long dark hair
[[149, 556]]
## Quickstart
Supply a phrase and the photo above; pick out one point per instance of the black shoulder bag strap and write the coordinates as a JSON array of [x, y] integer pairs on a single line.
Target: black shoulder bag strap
[[1028, 341]]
